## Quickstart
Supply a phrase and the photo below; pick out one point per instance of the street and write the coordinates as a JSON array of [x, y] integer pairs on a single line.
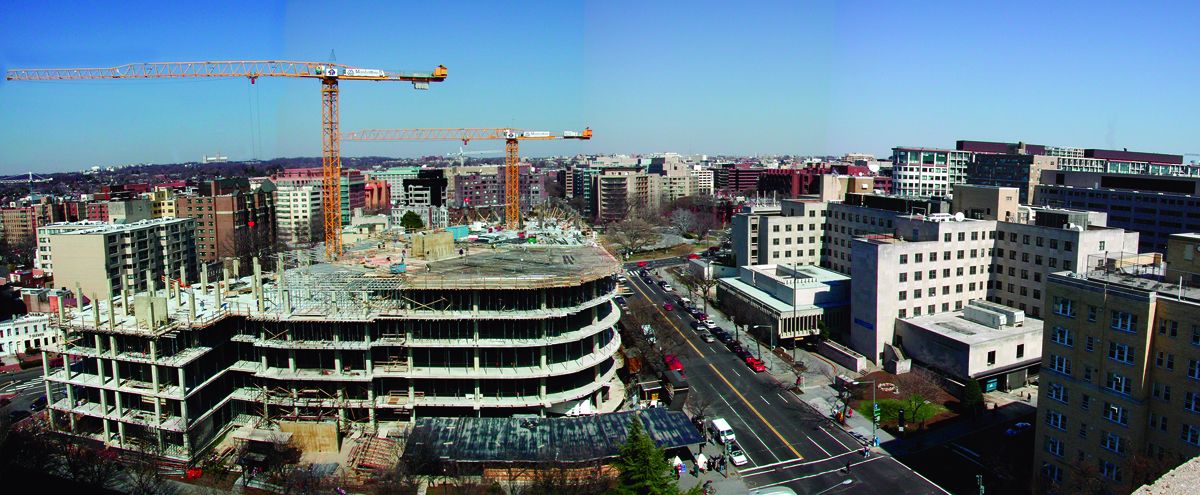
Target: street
[[788, 442], [26, 384]]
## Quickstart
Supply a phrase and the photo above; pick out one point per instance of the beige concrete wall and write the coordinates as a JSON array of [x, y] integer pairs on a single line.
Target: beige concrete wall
[[79, 259]]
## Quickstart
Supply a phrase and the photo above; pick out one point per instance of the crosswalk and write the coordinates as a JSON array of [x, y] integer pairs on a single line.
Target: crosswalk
[[22, 386]]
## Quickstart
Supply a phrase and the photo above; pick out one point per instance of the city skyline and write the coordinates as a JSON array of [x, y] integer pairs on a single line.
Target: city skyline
[[768, 79]]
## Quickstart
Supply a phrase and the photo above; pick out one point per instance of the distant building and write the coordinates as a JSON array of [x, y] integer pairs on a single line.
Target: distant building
[[620, 190], [42, 260], [299, 221], [1010, 170], [378, 195], [928, 172]]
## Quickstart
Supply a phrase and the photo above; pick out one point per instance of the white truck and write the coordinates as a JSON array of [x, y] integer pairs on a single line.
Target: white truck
[[723, 431]]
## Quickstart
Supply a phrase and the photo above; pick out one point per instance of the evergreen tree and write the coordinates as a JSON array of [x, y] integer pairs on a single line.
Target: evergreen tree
[[644, 467], [411, 221], [972, 397]]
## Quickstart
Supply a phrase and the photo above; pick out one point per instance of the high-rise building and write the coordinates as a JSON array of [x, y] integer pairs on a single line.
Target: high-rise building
[[99, 257], [620, 190], [1022, 171], [1117, 399], [298, 217], [43, 260]]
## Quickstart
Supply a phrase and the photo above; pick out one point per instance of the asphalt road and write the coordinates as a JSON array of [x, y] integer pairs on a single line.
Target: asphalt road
[[787, 441], [27, 384]]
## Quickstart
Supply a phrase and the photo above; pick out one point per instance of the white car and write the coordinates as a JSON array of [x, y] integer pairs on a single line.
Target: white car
[[737, 455], [709, 324], [667, 287]]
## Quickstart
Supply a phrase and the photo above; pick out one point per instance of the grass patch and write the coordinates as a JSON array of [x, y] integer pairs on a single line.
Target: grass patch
[[889, 410], [671, 252]]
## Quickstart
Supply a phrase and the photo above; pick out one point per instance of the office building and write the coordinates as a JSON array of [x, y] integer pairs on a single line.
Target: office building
[[298, 218], [786, 302], [928, 172], [42, 260], [25, 332], [1155, 206], [232, 221], [620, 190], [1022, 171]]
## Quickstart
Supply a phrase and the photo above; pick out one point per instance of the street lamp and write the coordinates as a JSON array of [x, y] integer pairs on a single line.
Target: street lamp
[[758, 342], [874, 407]]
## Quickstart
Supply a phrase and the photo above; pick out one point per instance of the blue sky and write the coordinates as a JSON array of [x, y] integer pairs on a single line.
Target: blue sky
[[690, 77]]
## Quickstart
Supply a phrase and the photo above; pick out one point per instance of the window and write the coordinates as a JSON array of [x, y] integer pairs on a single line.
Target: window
[[1101, 245], [917, 258], [1110, 471], [958, 288], [1053, 262], [1054, 446], [1067, 246], [1052, 472], [903, 295], [1119, 352], [1162, 392], [1165, 360], [1195, 334], [1085, 401], [1193, 370], [1056, 419], [1064, 307], [1021, 351], [932, 274], [1191, 402], [1123, 321], [904, 259], [1118, 383], [962, 236], [1190, 434], [904, 276], [917, 275], [1083, 430], [1091, 313], [1112, 442], [991, 358], [1091, 344], [1062, 335], [1168, 327], [946, 237], [1058, 392], [1116, 413]]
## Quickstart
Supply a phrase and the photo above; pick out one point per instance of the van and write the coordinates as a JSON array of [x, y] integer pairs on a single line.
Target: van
[[723, 431]]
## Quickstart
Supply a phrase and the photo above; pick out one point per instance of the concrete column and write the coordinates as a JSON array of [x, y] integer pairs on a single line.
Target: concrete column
[[99, 360], [120, 430], [204, 280], [341, 395], [291, 359], [111, 323], [542, 387], [371, 410], [154, 365], [46, 385], [478, 399], [337, 360], [476, 359], [182, 382], [112, 346], [124, 294], [370, 365], [104, 411], [95, 312]]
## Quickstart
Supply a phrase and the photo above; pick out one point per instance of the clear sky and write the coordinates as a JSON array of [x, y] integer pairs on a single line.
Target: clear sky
[[690, 77]]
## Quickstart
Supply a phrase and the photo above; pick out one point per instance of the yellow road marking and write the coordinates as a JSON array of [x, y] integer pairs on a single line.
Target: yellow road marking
[[719, 374]]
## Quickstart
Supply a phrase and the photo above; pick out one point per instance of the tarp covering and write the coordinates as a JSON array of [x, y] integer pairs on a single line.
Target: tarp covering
[[573, 439]]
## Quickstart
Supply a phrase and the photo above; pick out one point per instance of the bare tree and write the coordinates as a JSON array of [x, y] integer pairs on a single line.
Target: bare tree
[[701, 284], [633, 234], [142, 468], [705, 222], [699, 405], [683, 219], [1085, 479], [918, 389]]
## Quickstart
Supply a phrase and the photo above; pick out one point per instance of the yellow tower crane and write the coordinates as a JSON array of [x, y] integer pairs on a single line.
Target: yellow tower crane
[[512, 187], [328, 73]]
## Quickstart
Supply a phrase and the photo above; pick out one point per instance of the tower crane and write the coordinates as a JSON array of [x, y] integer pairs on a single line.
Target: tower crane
[[512, 189], [462, 154], [328, 73]]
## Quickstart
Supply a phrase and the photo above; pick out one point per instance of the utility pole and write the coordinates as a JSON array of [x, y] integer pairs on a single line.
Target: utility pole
[[979, 481]]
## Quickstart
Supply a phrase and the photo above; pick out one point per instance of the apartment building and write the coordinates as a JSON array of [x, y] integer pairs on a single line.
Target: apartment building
[[620, 190], [162, 202], [928, 172], [111, 257], [42, 259], [1127, 162], [232, 220], [867, 214], [298, 217], [1118, 395], [395, 177], [704, 180], [790, 232]]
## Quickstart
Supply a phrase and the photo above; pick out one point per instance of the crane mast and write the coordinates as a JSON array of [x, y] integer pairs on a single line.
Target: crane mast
[[511, 137], [328, 73]]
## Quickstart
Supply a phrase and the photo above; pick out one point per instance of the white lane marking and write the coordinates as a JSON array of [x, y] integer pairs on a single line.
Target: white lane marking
[[814, 442], [746, 424], [781, 397], [843, 444], [913, 471], [788, 464], [798, 478], [764, 400]]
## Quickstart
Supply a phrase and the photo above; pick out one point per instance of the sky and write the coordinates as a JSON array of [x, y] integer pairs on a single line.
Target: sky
[[745, 78]]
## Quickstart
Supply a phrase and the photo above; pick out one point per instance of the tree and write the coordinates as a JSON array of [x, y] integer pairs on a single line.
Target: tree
[[701, 284], [633, 234], [972, 397], [683, 220], [411, 221], [918, 389], [643, 466]]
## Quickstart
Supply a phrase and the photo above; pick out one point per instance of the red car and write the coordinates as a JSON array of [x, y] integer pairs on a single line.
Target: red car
[[672, 362], [642, 264], [758, 367], [750, 360], [668, 307]]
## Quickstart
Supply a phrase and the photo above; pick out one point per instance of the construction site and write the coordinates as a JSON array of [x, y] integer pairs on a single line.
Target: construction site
[[310, 350]]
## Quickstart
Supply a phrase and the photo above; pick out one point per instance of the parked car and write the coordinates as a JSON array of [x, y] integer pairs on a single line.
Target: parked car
[[737, 455], [620, 301], [1017, 428], [710, 324], [697, 326], [702, 316], [38, 404], [758, 367], [668, 307], [742, 353], [707, 338], [667, 287]]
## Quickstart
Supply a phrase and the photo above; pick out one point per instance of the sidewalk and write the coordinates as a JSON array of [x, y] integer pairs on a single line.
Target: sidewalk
[[816, 391]]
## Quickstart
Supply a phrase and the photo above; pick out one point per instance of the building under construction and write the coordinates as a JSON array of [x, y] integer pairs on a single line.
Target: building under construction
[[396, 329]]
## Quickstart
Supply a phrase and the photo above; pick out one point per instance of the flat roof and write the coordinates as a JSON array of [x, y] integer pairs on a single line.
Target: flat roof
[[953, 325], [764, 297], [817, 273], [570, 439], [106, 228]]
